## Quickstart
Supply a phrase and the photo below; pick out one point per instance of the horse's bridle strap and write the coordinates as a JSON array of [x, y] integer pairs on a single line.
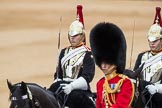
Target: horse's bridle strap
[[22, 97]]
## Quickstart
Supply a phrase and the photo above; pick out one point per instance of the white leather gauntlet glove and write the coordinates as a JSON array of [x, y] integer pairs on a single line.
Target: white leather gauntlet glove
[[159, 87], [67, 88], [79, 83], [152, 89]]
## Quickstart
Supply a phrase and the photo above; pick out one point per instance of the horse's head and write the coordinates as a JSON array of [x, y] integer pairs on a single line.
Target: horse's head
[[134, 74], [30, 95], [20, 95]]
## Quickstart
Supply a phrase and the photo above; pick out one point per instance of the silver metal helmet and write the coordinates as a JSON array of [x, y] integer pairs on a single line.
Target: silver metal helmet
[[155, 32], [76, 28]]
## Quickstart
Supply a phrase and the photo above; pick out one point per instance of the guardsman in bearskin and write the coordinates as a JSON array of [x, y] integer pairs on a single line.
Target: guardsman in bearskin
[[76, 68], [108, 46], [152, 69]]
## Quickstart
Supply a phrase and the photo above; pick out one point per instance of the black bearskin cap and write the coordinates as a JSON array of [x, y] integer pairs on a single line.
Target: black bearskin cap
[[108, 45]]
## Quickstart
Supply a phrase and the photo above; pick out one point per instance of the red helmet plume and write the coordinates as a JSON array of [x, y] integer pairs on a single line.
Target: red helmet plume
[[80, 14], [158, 16]]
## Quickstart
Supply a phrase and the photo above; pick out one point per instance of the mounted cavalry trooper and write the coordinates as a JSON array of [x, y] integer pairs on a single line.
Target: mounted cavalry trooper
[[108, 45], [75, 69], [152, 69]]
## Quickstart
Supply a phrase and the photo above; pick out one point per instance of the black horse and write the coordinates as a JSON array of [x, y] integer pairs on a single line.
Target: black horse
[[30, 95], [143, 99], [138, 97]]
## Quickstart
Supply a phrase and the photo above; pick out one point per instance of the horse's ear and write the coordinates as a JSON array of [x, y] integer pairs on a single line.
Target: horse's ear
[[10, 86], [139, 70], [24, 87]]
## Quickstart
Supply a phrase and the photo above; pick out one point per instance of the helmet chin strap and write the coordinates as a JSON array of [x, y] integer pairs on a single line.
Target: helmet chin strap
[[110, 70]]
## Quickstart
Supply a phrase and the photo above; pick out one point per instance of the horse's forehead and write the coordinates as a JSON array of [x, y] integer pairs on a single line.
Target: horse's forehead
[[17, 91]]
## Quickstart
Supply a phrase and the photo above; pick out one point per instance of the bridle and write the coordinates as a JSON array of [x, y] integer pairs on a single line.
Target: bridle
[[23, 98], [145, 92]]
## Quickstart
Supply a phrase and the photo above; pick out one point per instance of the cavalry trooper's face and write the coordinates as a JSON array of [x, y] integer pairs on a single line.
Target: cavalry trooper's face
[[155, 45], [76, 40]]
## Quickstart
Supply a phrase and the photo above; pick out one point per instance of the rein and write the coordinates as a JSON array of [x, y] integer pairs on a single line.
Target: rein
[[145, 92], [57, 93]]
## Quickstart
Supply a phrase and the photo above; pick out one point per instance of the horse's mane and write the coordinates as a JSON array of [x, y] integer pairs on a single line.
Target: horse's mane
[[34, 84]]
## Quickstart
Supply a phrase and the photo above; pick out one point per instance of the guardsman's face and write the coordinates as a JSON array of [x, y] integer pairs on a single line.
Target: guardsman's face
[[155, 45], [107, 68]]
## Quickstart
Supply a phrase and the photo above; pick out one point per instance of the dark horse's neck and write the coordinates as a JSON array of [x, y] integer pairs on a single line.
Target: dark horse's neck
[[45, 97]]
